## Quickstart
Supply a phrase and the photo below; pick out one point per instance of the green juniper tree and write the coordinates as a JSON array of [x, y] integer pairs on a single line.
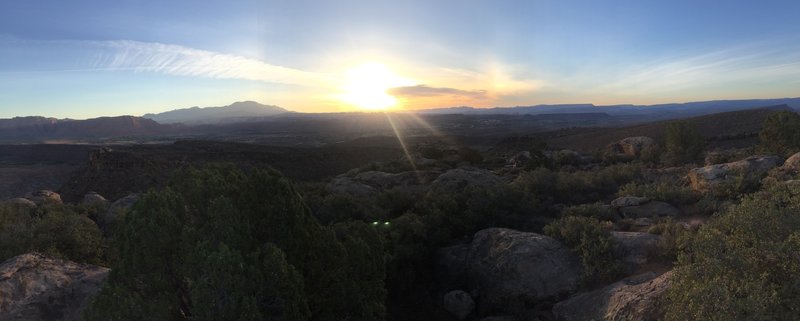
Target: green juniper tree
[[222, 244]]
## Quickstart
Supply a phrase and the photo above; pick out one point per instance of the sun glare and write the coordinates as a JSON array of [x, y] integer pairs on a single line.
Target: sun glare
[[366, 87]]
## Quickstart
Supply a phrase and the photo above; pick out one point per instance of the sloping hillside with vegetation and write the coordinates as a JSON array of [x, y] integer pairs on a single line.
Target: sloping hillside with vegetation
[[645, 229]]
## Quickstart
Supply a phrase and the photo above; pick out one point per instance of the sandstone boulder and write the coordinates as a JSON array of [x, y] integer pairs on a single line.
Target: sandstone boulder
[[635, 298], [792, 163], [632, 146], [459, 304], [94, 199], [649, 209], [45, 196], [106, 220], [37, 287], [707, 178], [513, 270]]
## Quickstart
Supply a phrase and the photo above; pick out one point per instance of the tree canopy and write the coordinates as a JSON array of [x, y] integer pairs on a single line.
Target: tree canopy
[[219, 243], [780, 133]]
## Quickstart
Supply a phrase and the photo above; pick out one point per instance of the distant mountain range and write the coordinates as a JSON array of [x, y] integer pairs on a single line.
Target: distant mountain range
[[236, 112], [251, 119], [656, 112], [42, 128]]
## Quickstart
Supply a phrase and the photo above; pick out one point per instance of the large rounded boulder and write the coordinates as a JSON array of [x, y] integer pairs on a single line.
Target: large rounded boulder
[[513, 270], [37, 287]]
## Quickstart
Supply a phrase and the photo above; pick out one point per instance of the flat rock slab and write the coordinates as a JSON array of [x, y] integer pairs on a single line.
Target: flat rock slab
[[35, 287], [635, 298]]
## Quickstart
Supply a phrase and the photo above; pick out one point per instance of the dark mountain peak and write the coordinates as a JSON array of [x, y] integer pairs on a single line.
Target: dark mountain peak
[[238, 111]]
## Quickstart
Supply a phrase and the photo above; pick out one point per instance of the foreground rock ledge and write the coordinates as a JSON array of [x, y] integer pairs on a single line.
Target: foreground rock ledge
[[37, 287], [635, 298]]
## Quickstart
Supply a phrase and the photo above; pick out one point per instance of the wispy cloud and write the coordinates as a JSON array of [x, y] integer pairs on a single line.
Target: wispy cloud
[[427, 91], [743, 64], [184, 61], [51, 56]]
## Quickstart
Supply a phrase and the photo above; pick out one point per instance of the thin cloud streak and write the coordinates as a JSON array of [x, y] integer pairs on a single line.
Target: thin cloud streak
[[715, 68], [427, 91], [183, 61], [57, 56]]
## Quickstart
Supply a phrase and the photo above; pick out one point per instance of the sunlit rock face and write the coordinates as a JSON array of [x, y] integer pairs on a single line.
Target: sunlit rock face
[[704, 179], [635, 298], [632, 146], [792, 163], [45, 196], [35, 287]]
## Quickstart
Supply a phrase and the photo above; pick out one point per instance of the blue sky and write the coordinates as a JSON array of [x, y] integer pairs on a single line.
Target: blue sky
[[87, 58]]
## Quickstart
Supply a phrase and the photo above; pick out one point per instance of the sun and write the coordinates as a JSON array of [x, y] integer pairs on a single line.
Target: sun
[[365, 86]]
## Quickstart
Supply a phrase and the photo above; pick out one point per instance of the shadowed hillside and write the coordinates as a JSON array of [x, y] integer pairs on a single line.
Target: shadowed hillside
[[117, 171], [725, 129]]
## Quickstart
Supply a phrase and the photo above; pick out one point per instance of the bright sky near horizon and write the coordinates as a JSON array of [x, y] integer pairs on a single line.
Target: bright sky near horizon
[[87, 58]]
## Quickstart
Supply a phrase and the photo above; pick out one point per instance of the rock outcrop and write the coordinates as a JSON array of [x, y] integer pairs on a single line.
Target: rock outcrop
[[370, 183], [106, 220], [94, 199], [635, 298], [632, 146], [707, 178], [37, 287], [641, 207], [513, 270], [792, 163], [44, 197], [629, 201], [457, 179], [459, 304]]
